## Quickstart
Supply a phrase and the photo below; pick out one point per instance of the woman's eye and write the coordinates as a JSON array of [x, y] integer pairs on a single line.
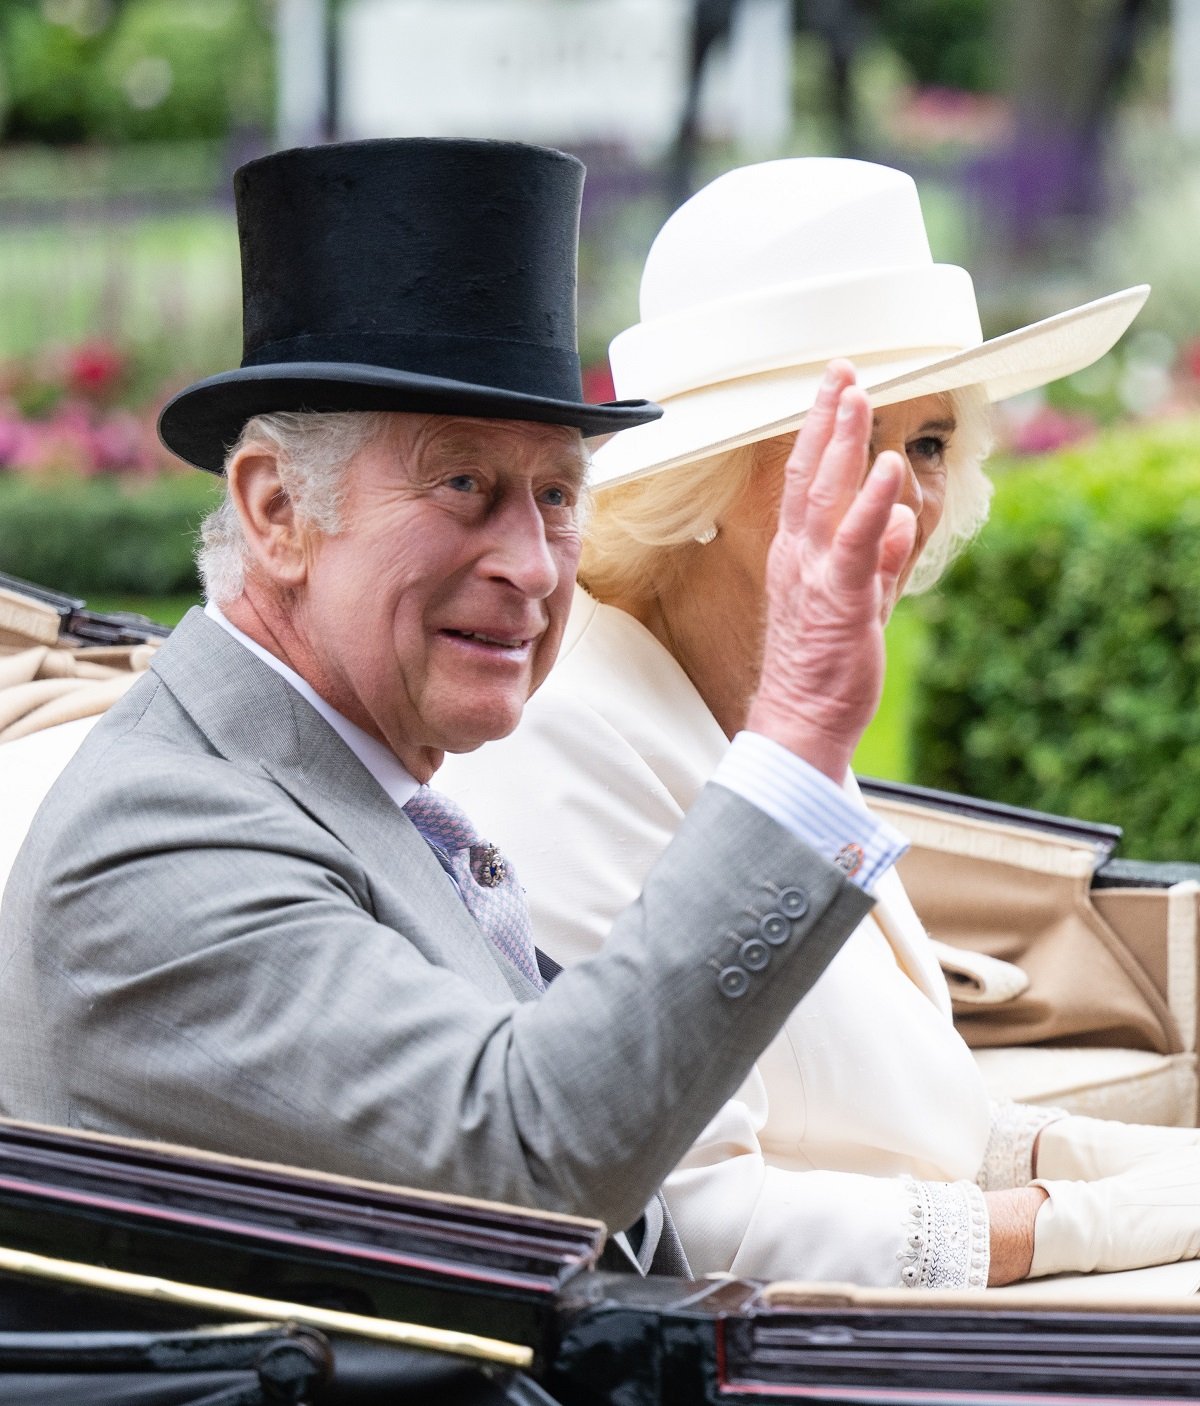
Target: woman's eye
[[930, 448], [463, 483], [556, 498]]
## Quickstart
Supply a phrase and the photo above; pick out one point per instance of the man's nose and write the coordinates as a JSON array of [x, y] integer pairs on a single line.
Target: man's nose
[[520, 551]]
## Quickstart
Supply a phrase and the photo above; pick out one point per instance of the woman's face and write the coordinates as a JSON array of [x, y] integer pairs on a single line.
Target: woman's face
[[918, 430], [719, 585]]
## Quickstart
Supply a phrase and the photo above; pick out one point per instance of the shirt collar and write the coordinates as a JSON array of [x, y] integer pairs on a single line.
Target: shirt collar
[[379, 760]]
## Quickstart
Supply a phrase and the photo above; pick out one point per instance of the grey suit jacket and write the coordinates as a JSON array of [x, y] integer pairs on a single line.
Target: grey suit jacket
[[221, 931]]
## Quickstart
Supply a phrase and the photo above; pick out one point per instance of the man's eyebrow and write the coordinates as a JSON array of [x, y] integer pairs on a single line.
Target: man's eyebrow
[[576, 467], [466, 449], [447, 450]]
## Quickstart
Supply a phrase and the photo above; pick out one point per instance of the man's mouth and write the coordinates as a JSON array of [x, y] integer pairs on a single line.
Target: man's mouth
[[500, 641]]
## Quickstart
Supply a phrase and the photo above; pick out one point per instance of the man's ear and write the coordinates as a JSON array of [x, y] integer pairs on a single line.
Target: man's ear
[[276, 539]]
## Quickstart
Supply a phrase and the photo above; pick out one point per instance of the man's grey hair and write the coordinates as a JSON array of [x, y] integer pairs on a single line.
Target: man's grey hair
[[312, 452]]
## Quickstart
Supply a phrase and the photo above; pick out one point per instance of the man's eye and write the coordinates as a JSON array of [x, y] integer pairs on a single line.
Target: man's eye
[[556, 498], [463, 483]]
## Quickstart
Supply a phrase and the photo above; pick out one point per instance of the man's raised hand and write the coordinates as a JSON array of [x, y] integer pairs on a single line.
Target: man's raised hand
[[842, 541]]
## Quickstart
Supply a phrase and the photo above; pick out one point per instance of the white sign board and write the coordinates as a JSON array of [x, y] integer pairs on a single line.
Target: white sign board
[[1185, 64], [565, 71]]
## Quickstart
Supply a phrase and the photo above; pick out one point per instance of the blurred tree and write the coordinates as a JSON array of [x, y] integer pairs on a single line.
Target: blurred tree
[[946, 43], [841, 26], [712, 23], [47, 69], [1066, 67], [182, 69], [119, 70]]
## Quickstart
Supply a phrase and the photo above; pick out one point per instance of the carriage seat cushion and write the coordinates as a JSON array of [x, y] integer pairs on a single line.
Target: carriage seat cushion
[[1134, 1086], [28, 768]]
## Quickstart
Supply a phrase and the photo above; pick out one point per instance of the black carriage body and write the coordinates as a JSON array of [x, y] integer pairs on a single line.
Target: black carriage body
[[595, 1339]]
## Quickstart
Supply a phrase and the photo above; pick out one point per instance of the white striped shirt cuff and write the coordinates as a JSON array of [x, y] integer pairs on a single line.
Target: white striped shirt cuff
[[803, 800]]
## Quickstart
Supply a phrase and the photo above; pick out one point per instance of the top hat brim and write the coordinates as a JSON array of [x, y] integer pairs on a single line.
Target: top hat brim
[[201, 423], [729, 414]]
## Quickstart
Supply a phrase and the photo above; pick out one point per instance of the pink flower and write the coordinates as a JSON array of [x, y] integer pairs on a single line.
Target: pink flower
[[1189, 359], [598, 384], [54, 445], [117, 444], [1048, 429], [95, 368], [12, 437]]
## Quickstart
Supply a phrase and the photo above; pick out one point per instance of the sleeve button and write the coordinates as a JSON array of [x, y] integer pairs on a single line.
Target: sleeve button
[[775, 928], [733, 982], [754, 954], [794, 902]]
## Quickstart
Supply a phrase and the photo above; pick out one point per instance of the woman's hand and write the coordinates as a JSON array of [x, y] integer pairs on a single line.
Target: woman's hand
[[1086, 1149], [1149, 1215], [832, 568], [1108, 1196]]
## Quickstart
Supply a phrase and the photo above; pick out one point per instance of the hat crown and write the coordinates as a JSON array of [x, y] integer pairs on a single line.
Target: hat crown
[[791, 263], [384, 241], [412, 275], [771, 271], [779, 223]]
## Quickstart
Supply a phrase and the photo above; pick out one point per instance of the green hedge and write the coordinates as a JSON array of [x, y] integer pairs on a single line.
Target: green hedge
[[158, 70], [1063, 659], [104, 535]]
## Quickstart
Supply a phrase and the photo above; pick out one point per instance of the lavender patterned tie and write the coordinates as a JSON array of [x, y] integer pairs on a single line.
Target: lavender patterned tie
[[486, 881]]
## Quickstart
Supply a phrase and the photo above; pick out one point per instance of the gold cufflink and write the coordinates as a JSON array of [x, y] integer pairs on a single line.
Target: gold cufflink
[[850, 859]]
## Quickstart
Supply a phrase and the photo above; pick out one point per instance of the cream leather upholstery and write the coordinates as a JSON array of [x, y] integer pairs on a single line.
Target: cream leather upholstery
[[1128, 1085], [1107, 1023], [28, 768]]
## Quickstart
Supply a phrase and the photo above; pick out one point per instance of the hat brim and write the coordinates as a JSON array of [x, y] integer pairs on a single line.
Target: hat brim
[[725, 416], [203, 421]]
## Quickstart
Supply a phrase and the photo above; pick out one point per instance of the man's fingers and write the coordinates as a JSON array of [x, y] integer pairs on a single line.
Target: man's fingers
[[835, 484], [866, 542], [899, 539], [811, 442]]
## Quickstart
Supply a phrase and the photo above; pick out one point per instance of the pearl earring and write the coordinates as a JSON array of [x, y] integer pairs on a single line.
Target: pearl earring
[[708, 535]]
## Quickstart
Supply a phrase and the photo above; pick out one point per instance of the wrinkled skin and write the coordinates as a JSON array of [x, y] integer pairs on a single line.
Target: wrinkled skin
[[436, 610], [704, 609], [832, 570]]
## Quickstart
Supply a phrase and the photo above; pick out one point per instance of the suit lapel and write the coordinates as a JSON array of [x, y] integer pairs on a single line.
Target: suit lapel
[[255, 719]]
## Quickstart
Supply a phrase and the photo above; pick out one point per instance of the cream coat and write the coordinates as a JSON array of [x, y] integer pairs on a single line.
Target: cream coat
[[867, 1077]]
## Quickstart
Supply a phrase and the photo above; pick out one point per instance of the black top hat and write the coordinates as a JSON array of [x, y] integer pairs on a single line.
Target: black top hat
[[410, 274]]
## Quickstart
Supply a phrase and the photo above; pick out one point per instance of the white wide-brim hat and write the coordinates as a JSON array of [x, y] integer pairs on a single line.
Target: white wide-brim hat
[[767, 274]]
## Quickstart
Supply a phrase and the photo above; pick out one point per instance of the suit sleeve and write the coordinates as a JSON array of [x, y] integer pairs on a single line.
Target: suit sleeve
[[218, 954], [735, 1212]]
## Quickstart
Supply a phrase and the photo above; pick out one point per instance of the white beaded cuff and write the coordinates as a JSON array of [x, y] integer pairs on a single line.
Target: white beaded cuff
[[1008, 1158], [947, 1242]]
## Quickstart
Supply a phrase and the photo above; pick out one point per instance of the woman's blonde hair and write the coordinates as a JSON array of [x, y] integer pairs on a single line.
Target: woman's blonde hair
[[637, 529]]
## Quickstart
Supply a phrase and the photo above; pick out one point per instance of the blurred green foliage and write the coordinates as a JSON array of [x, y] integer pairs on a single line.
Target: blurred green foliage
[[163, 610], [77, 70], [885, 747], [1062, 664], [104, 536], [947, 43], [162, 285], [46, 76]]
